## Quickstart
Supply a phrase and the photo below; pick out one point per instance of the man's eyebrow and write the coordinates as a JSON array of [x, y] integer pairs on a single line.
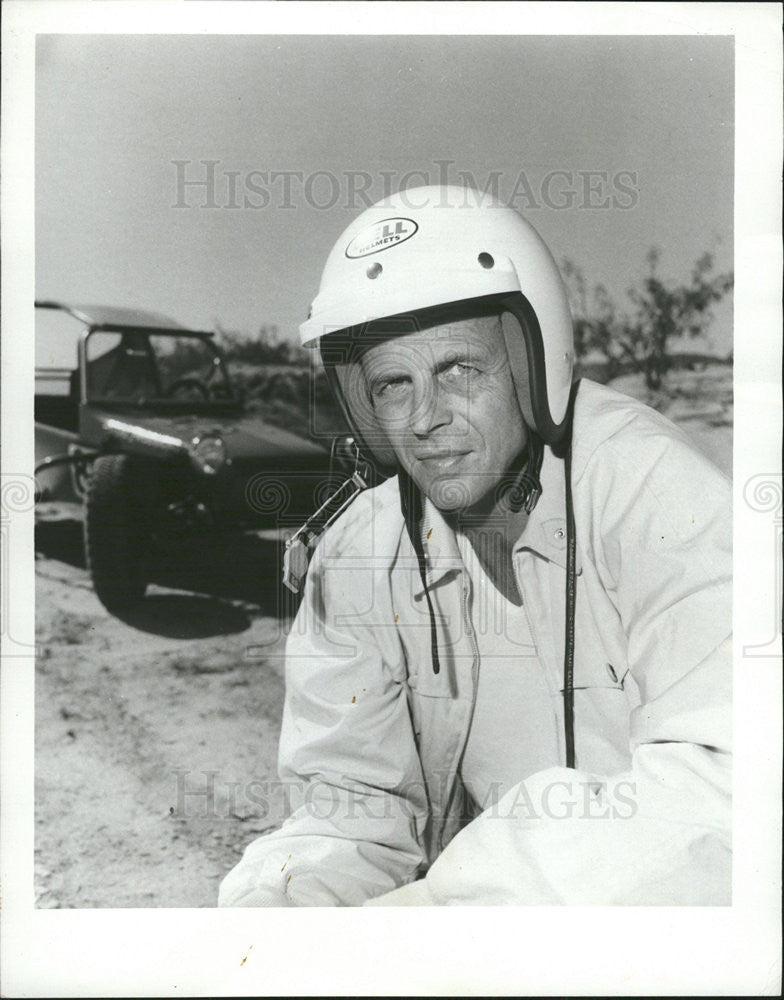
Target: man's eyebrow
[[455, 355], [387, 375], [458, 355]]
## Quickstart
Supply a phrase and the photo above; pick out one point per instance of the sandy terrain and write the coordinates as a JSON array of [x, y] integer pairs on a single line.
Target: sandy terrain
[[155, 736], [149, 732]]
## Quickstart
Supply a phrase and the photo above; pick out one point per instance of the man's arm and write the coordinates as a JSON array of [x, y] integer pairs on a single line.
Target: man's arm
[[347, 755]]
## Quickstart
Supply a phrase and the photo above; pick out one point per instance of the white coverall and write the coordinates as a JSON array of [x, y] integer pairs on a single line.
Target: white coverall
[[372, 738]]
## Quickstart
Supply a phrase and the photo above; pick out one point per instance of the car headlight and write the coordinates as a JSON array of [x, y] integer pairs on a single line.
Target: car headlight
[[208, 453]]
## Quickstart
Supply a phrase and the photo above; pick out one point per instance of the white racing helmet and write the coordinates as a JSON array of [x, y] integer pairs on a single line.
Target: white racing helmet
[[434, 254]]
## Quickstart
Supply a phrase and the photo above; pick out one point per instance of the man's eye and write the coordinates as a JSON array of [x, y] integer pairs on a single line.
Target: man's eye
[[460, 370], [388, 386]]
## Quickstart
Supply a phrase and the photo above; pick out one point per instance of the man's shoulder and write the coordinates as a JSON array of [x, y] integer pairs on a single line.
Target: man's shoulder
[[373, 522], [625, 441], [605, 416], [601, 410]]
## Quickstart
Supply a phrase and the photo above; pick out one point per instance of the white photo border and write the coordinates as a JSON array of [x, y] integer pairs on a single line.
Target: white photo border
[[481, 950]]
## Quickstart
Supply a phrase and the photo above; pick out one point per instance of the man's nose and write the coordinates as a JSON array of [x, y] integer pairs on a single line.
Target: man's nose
[[430, 408]]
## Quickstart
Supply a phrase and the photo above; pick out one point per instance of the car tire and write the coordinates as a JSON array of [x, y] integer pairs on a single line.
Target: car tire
[[115, 530]]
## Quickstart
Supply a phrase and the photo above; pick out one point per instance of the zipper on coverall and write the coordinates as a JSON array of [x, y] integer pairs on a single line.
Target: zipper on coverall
[[469, 628]]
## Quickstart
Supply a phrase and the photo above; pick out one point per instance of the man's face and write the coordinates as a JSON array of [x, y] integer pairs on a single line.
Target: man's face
[[445, 399]]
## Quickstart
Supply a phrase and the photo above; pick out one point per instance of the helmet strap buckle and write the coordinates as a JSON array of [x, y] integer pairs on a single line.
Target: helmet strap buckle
[[527, 488]]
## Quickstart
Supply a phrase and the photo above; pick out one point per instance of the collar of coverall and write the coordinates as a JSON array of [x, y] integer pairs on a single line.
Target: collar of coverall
[[544, 532]]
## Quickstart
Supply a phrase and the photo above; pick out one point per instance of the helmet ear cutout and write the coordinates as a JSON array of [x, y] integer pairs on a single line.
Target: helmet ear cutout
[[347, 382], [518, 362], [525, 346]]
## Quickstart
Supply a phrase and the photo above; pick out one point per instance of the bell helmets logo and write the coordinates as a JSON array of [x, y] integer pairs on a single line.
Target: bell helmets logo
[[381, 236]]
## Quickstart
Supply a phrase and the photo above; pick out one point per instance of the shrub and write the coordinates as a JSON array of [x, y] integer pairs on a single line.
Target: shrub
[[662, 312]]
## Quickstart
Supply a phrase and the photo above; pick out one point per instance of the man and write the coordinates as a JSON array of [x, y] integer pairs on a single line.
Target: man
[[508, 681]]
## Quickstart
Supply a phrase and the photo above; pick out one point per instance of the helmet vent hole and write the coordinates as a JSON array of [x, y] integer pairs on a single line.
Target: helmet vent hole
[[374, 270], [486, 260]]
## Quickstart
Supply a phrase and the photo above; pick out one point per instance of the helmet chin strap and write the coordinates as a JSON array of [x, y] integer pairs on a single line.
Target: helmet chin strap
[[411, 507], [525, 491]]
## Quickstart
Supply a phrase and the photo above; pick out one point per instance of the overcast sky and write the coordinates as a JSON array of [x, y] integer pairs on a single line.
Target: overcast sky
[[607, 144]]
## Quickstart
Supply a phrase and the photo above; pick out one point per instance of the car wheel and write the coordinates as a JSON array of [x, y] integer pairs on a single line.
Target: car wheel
[[116, 532]]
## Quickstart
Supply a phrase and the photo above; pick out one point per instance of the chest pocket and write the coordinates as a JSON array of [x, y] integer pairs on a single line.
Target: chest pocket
[[455, 659], [604, 675], [455, 651], [602, 716]]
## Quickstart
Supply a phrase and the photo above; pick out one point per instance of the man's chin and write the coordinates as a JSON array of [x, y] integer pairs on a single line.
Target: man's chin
[[451, 494]]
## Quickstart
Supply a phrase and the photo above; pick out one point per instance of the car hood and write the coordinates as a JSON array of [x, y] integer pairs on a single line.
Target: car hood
[[245, 438]]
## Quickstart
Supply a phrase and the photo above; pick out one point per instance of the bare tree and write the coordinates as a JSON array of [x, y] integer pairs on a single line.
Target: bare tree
[[662, 312]]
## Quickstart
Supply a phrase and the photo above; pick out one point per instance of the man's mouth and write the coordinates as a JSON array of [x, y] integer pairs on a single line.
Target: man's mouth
[[440, 460]]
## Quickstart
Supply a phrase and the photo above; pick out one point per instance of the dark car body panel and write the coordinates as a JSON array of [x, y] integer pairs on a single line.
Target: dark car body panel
[[270, 475], [245, 437]]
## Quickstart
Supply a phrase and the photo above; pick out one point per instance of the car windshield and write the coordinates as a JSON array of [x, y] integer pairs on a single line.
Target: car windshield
[[139, 367]]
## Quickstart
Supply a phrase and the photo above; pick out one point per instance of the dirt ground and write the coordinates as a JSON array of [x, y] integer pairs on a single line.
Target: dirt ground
[[156, 737]]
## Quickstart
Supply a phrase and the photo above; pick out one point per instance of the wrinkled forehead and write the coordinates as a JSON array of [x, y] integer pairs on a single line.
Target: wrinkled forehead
[[477, 337]]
